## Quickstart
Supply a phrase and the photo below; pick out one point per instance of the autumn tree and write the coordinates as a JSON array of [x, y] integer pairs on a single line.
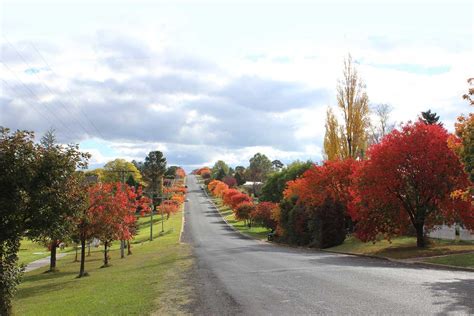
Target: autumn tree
[[462, 142], [53, 196], [322, 197], [237, 199], [230, 181], [227, 196], [408, 179], [114, 215], [353, 102], [263, 214], [332, 138], [242, 212], [469, 96], [169, 207]]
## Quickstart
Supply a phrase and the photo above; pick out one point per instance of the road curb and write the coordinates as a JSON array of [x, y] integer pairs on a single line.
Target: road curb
[[182, 224], [182, 216], [406, 261]]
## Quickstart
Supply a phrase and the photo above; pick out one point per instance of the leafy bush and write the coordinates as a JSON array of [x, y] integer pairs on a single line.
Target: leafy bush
[[243, 210], [263, 215]]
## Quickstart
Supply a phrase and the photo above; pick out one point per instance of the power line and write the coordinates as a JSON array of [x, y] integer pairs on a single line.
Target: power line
[[66, 133], [69, 131], [40, 113], [69, 93], [44, 85]]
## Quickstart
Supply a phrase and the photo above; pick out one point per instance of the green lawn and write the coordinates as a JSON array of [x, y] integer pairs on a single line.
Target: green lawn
[[460, 260], [255, 231], [31, 251], [403, 248], [149, 280]]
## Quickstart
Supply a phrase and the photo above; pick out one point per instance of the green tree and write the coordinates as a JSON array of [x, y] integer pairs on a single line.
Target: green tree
[[154, 169], [118, 170], [277, 164], [239, 175], [258, 170], [430, 118], [131, 182], [52, 198], [17, 164], [219, 170], [171, 172], [260, 166], [272, 190]]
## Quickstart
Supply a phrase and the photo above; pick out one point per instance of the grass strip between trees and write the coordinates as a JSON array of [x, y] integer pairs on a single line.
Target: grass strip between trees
[[465, 260], [147, 281], [255, 231], [403, 248]]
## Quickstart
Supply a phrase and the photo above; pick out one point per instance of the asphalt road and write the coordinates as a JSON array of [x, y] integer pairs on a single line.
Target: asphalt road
[[236, 275]]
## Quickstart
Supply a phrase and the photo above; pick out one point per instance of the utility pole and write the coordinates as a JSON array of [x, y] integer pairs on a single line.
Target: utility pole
[[122, 242]]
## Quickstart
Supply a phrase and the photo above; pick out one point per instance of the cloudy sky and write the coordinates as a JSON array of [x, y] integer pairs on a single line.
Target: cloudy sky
[[203, 81]]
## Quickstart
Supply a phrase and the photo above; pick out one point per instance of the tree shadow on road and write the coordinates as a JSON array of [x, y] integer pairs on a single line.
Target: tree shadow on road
[[461, 292]]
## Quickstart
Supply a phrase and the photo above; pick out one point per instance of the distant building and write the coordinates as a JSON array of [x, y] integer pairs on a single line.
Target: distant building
[[451, 233]]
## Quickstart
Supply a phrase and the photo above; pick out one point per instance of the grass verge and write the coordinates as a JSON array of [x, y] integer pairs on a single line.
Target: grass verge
[[465, 260], [149, 280], [255, 231], [403, 248]]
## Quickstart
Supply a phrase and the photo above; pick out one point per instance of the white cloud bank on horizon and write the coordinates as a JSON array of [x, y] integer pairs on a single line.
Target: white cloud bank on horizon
[[210, 87]]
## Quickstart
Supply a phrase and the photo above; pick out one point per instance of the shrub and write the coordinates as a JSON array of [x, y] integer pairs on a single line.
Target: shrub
[[243, 210], [263, 214], [327, 224], [239, 198], [227, 196]]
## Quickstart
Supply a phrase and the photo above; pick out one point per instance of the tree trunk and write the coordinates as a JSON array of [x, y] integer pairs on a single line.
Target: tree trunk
[[129, 248], [75, 246], [83, 258], [122, 249], [420, 236], [52, 259], [106, 257]]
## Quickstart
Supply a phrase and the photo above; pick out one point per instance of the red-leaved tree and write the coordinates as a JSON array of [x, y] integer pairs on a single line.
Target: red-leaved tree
[[113, 213], [317, 209], [243, 210], [409, 178], [263, 214], [227, 196], [239, 198]]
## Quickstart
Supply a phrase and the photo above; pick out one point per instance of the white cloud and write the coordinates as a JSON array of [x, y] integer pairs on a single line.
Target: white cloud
[[174, 81]]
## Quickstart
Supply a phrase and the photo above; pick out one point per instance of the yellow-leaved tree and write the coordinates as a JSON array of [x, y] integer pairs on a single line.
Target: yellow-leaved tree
[[353, 102]]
